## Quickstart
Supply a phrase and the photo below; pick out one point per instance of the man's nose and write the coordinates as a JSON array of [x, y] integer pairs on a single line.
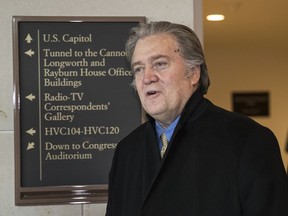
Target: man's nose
[[150, 75]]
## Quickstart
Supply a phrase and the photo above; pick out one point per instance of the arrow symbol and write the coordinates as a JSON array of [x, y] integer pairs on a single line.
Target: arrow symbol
[[31, 145], [28, 38], [30, 97], [30, 52], [31, 131]]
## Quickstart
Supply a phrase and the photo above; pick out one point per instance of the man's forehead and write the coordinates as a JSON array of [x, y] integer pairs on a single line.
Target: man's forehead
[[158, 40], [155, 47]]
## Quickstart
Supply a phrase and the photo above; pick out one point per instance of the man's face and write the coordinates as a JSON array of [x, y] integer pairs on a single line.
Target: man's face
[[160, 78]]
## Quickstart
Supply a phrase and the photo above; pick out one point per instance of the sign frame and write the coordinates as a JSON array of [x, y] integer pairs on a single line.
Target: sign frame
[[59, 194], [256, 104]]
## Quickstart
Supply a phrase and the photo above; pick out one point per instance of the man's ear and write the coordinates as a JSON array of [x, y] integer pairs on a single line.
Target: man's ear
[[195, 77]]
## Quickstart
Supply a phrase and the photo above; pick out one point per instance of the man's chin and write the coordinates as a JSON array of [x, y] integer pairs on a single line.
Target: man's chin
[[155, 115]]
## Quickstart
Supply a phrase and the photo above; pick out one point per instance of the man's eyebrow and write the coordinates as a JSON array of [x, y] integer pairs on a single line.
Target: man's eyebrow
[[135, 63], [151, 59]]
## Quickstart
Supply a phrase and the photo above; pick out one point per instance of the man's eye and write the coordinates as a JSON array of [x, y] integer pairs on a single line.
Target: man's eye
[[137, 69], [160, 65]]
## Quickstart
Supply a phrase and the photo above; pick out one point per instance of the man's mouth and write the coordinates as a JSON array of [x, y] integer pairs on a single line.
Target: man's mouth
[[149, 93]]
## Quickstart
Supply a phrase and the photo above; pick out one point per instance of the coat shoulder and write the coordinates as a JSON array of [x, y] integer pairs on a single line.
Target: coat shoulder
[[230, 119]]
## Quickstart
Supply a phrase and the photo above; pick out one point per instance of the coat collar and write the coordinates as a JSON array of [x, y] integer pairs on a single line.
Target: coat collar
[[191, 105]]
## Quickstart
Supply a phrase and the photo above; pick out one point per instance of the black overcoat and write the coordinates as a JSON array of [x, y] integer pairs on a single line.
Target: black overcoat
[[218, 163]]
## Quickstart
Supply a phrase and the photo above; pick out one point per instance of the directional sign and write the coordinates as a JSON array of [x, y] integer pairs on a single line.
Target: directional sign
[[74, 103]]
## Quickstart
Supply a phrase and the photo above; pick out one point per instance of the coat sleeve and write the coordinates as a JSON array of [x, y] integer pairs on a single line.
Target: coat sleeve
[[263, 183]]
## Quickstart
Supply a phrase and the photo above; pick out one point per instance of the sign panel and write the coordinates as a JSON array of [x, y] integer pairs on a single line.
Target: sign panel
[[73, 103], [251, 103]]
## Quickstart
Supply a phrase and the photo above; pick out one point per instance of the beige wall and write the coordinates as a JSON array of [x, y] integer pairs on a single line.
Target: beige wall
[[181, 12], [251, 67]]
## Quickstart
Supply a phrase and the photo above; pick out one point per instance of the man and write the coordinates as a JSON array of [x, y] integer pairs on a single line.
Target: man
[[217, 163]]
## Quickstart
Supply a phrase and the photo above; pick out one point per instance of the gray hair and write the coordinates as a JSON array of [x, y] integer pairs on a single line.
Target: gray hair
[[190, 46]]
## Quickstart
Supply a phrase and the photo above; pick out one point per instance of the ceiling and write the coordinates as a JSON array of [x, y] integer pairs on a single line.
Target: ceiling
[[247, 22]]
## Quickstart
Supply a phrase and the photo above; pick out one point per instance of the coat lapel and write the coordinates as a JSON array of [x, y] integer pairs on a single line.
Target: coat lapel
[[153, 157]]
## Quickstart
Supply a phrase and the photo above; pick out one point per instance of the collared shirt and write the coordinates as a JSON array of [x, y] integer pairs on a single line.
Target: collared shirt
[[168, 131]]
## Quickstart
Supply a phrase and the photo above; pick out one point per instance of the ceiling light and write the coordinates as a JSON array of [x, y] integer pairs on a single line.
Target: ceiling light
[[215, 17]]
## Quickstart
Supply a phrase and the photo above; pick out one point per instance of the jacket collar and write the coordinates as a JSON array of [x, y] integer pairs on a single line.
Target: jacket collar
[[191, 105]]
